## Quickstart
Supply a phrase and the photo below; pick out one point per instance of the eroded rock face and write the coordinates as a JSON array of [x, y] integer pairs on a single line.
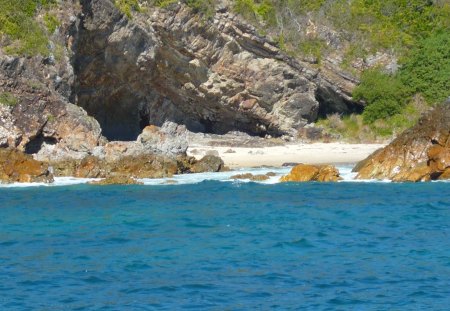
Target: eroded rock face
[[421, 153], [213, 76], [305, 172], [16, 166], [41, 118], [143, 82]]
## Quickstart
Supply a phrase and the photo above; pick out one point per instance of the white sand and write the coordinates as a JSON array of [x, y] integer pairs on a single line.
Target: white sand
[[315, 153]]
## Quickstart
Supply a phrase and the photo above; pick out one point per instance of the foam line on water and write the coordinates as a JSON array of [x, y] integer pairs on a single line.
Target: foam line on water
[[185, 179]]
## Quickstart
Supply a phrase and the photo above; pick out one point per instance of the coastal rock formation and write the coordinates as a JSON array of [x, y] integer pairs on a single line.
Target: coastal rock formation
[[129, 88], [141, 166], [209, 163], [213, 75], [18, 167], [305, 172], [421, 153]]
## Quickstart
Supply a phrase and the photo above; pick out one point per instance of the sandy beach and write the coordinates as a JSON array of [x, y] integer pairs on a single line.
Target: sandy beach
[[309, 153]]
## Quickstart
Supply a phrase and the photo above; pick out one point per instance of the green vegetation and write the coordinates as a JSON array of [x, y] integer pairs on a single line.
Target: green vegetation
[[51, 22], [384, 95], [354, 128], [204, 7], [127, 6], [8, 99], [426, 71], [17, 23]]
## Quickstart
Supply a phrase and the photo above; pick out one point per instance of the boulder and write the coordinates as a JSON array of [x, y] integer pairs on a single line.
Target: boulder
[[305, 172], [421, 153], [16, 166], [208, 163]]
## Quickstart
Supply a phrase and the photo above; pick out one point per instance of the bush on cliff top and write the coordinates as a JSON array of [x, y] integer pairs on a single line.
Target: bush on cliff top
[[17, 23], [426, 71]]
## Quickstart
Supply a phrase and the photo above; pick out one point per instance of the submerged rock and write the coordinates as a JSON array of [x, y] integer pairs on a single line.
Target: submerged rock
[[251, 177], [16, 166], [421, 153], [305, 172], [116, 180]]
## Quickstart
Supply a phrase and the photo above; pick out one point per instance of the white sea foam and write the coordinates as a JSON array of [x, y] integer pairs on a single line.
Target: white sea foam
[[185, 179]]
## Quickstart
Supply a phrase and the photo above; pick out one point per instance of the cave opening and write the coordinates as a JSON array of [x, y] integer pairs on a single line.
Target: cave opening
[[330, 103], [36, 144]]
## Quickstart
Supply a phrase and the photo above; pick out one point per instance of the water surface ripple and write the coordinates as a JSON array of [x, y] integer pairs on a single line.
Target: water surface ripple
[[226, 246]]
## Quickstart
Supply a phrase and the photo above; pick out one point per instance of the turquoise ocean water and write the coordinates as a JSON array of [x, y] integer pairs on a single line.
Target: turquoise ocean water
[[216, 245]]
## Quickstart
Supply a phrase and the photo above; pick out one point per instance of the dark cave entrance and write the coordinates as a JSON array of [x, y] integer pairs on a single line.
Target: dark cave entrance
[[35, 144], [122, 117], [330, 102]]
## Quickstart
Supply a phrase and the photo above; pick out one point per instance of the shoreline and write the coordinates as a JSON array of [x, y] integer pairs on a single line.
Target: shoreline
[[276, 156]]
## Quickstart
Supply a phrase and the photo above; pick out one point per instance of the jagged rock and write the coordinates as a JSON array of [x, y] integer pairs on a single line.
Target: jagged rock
[[116, 180], [16, 166], [421, 153], [208, 163], [213, 76], [170, 139], [305, 172], [115, 76]]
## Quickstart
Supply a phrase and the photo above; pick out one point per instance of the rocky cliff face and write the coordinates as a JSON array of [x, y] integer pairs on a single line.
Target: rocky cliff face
[[162, 68], [213, 76], [419, 154]]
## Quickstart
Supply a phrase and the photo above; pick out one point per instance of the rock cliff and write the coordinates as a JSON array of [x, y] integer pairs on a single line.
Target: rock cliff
[[117, 86], [421, 153]]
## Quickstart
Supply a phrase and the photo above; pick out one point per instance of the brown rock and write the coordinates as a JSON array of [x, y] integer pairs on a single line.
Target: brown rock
[[250, 176], [16, 166], [419, 154], [208, 163], [142, 166], [304, 172], [445, 175], [116, 180]]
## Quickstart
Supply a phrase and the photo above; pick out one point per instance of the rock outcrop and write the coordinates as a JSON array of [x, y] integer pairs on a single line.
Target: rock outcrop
[[305, 172], [421, 153], [18, 167], [213, 75], [209, 163], [117, 89]]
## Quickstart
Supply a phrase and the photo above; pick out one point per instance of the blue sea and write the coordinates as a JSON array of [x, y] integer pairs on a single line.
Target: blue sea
[[216, 245]]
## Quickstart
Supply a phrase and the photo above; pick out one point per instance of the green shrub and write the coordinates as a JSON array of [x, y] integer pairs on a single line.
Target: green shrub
[[8, 99], [51, 22], [127, 6], [312, 47], [18, 24], [384, 95], [427, 70], [262, 11], [205, 7]]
